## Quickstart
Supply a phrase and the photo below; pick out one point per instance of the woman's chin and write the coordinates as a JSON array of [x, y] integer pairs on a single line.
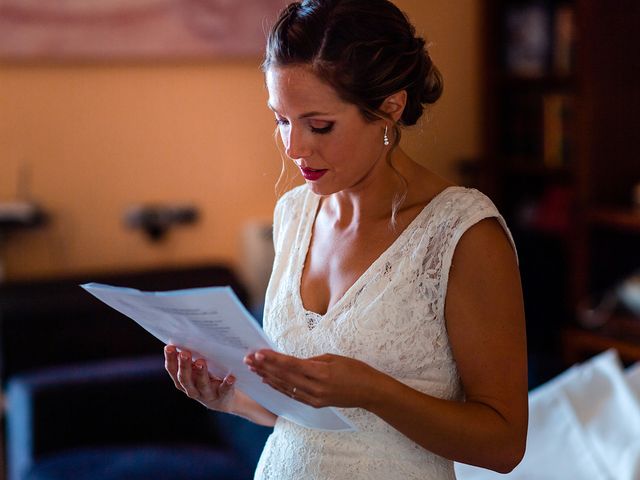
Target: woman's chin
[[318, 188]]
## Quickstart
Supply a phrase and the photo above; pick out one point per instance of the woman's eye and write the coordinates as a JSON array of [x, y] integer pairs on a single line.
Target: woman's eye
[[322, 130], [281, 121]]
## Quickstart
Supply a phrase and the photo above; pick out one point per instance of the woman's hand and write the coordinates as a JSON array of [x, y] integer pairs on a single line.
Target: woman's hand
[[197, 383], [326, 380]]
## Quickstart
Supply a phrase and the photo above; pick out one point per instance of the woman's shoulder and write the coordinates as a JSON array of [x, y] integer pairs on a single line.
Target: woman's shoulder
[[293, 197], [463, 202], [463, 208], [445, 198], [289, 212], [292, 203]]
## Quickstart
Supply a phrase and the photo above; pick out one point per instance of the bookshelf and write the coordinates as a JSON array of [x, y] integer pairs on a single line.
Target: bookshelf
[[615, 218], [562, 159]]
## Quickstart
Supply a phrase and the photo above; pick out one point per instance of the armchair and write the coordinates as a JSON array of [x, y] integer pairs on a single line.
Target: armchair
[[84, 400], [121, 420]]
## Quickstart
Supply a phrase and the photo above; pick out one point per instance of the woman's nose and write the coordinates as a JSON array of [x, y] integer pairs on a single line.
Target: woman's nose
[[297, 145]]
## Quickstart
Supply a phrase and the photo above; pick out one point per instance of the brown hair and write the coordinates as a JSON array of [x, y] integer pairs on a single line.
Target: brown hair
[[366, 50]]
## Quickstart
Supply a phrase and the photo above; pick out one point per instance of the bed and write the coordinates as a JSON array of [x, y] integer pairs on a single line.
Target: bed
[[583, 424]]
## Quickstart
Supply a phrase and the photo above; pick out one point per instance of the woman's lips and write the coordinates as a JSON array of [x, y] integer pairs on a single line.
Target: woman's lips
[[312, 174]]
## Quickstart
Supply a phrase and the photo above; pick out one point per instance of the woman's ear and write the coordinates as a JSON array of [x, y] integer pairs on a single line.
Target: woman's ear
[[394, 105]]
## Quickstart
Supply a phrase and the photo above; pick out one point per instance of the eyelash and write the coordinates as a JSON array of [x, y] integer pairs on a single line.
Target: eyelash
[[320, 131], [323, 130]]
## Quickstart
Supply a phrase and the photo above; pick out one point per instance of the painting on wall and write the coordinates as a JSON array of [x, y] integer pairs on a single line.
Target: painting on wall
[[134, 29]]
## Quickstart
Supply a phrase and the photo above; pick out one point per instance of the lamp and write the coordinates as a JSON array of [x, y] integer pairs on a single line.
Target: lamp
[[155, 219]]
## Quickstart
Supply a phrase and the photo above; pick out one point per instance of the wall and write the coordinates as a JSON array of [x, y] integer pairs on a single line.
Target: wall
[[451, 130], [99, 138]]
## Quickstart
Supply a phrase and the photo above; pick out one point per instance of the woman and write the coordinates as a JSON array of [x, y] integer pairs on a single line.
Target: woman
[[395, 295]]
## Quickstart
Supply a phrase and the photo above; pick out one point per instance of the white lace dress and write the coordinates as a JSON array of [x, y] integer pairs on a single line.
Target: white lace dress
[[391, 318]]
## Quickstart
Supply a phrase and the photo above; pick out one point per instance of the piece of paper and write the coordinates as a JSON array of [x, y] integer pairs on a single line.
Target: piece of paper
[[213, 324]]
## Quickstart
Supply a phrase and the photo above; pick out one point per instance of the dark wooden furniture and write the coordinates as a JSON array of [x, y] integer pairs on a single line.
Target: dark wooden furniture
[[579, 344], [52, 323], [561, 159]]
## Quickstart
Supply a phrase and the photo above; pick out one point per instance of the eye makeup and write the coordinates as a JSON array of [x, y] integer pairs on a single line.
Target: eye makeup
[[323, 130], [281, 122]]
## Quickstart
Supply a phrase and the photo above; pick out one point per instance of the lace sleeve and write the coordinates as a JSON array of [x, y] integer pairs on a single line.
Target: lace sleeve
[[282, 215], [468, 211]]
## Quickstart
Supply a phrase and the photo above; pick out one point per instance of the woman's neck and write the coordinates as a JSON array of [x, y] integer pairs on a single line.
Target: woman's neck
[[371, 199]]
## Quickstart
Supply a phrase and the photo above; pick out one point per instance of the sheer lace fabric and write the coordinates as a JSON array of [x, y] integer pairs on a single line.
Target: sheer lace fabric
[[391, 318]]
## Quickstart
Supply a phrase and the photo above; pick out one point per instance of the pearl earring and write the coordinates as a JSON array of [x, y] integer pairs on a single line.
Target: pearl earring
[[385, 139]]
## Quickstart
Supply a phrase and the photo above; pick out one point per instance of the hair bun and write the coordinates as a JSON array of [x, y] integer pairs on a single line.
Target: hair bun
[[427, 85], [433, 85], [433, 81]]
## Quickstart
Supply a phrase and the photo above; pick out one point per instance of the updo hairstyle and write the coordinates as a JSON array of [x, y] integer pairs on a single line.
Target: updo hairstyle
[[366, 50]]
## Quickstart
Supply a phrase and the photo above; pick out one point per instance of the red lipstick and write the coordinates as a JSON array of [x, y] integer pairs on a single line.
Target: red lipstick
[[312, 174]]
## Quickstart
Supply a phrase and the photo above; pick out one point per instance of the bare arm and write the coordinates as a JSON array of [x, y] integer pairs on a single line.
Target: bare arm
[[485, 322], [219, 394]]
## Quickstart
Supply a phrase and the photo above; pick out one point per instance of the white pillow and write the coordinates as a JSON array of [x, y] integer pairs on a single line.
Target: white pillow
[[583, 424], [556, 448], [609, 412], [632, 374]]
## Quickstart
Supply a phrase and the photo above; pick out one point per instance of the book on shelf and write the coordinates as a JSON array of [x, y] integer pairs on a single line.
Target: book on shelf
[[522, 127], [557, 111], [549, 212], [537, 129], [539, 38], [564, 40], [527, 38]]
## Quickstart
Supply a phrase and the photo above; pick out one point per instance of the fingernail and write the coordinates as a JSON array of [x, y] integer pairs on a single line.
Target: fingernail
[[199, 365], [259, 356], [231, 380], [184, 356]]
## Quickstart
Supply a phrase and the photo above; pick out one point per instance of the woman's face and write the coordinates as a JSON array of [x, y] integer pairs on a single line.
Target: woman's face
[[327, 138]]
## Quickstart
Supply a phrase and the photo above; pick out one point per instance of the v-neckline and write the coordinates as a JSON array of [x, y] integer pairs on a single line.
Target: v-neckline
[[311, 214]]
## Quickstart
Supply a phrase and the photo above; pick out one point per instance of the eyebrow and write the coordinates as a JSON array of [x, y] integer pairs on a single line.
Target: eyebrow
[[304, 115]]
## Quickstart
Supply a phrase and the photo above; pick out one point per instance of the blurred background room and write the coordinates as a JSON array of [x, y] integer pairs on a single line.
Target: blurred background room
[[136, 148]]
